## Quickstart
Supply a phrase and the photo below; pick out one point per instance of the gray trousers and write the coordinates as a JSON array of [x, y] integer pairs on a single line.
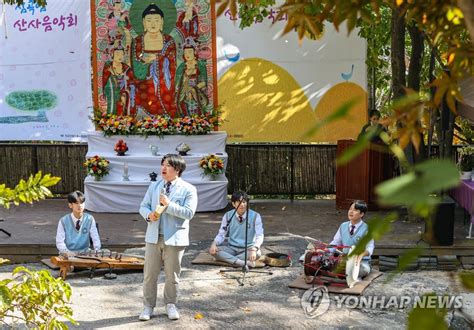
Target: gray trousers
[[231, 254], [364, 269], [155, 256]]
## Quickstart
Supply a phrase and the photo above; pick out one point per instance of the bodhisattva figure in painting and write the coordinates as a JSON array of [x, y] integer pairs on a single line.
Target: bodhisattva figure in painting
[[188, 22], [154, 66], [119, 28], [191, 77], [118, 84]]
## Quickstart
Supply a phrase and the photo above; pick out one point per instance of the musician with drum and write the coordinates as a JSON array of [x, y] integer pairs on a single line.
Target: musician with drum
[[350, 232]]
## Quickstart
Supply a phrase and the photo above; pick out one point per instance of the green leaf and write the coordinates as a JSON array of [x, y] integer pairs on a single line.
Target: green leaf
[[339, 113], [405, 259], [467, 280], [5, 296], [416, 186], [49, 180], [354, 150], [377, 228], [427, 318]]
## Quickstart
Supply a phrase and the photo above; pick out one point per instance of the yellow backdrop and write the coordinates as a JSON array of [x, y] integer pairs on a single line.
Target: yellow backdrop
[[262, 102]]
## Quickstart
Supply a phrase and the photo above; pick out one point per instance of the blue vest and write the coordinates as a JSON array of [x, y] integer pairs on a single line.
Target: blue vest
[[236, 230], [348, 239], [77, 240]]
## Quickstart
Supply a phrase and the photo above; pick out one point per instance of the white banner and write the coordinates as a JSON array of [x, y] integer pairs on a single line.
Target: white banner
[[45, 72]]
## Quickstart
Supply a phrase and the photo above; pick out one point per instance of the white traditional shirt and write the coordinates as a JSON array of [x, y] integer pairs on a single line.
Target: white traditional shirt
[[61, 235], [337, 240], [220, 238]]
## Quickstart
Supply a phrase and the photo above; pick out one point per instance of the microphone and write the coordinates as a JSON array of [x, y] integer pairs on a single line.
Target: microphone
[[160, 208]]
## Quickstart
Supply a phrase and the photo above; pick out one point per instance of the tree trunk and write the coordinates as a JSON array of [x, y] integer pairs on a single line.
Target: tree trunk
[[398, 54], [433, 111], [414, 77], [416, 58]]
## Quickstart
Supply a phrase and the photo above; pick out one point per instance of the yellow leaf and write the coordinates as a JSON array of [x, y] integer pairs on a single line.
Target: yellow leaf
[[4, 261], [454, 15], [399, 3], [451, 58], [198, 316]]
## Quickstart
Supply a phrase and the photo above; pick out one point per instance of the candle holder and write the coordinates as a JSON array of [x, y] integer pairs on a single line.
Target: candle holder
[[125, 175]]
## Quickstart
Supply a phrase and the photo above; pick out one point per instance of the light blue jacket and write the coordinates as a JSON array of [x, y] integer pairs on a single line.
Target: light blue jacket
[[181, 209]]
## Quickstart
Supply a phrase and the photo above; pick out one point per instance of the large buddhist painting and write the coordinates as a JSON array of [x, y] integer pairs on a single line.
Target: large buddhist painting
[[153, 57]]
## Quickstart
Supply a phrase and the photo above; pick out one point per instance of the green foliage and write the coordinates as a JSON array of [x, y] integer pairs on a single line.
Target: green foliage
[[467, 280], [466, 155], [465, 163], [36, 298], [465, 129], [416, 188], [427, 318], [33, 189], [377, 228], [408, 257], [378, 35]]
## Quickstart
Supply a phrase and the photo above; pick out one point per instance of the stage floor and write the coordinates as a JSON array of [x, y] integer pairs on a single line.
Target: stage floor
[[33, 228]]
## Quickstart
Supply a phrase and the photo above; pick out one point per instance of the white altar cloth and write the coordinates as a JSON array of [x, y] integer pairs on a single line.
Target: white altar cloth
[[113, 194]]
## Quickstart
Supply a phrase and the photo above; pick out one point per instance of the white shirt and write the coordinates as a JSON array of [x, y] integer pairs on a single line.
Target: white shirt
[[61, 235], [220, 238], [173, 183], [337, 240]]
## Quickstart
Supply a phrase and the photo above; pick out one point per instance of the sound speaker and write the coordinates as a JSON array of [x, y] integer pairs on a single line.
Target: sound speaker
[[443, 224]]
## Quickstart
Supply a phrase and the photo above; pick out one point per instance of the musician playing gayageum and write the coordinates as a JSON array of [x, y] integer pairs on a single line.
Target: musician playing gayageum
[[233, 227], [350, 232], [77, 229]]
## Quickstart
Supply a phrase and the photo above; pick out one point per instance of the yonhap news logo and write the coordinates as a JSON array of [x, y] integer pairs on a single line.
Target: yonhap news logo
[[315, 302]]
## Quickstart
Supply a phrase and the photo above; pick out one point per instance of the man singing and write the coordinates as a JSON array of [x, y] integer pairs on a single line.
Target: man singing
[[167, 234]]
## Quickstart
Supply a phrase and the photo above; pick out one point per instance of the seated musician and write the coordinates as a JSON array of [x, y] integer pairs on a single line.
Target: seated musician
[[233, 227], [77, 229], [350, 232]]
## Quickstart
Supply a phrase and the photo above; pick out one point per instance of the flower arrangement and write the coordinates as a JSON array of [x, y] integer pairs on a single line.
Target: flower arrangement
[[212, 165], [155, 125], [465, 162], [121, 147], [97, 167], [114, 125], [193, 125], [158, 125]]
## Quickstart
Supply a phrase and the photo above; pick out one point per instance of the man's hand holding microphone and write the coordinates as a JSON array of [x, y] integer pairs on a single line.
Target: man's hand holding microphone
[[161, 207]]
